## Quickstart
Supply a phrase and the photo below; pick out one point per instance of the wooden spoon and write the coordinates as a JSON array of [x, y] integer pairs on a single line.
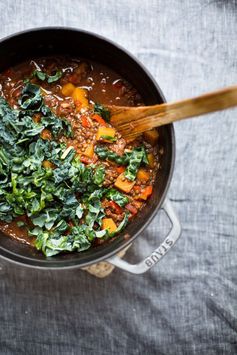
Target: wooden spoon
[[132, 121]]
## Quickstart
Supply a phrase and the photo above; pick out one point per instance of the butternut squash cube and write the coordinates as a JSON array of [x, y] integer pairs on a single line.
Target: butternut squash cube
[[146, 192], [48, 165], [79, 96], [143, 175], [151, 136], [46, 134], [105, 133], [124, 184], [89, 152], [109, 224], [68, 89], [151, 160]]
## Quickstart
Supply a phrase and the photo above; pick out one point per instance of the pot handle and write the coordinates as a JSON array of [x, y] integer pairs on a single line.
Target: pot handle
[[158, 253]]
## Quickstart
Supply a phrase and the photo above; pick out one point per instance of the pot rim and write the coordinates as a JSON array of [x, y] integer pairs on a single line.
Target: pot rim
[[50, 264]]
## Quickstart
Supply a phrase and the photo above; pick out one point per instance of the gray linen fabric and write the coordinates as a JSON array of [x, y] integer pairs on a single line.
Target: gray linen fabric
[[187, 303]]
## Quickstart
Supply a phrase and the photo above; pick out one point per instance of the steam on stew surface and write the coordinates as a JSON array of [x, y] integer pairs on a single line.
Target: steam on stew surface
[[69, 181]]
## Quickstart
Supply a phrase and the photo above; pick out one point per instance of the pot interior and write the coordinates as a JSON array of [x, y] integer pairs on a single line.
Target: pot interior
[[59, 41]]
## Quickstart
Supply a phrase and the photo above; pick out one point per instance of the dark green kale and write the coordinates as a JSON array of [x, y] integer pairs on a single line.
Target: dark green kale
[[31, 98], [133, 159], [104, 153], [118, 197], [99, 175], [137, 157], [31, 102], [45, 77], [63, 202], [121, 226], [102, 111], [16, 128], [109, 138]]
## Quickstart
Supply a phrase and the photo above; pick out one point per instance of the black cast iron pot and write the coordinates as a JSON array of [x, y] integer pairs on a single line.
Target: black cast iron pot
[[54, 40]]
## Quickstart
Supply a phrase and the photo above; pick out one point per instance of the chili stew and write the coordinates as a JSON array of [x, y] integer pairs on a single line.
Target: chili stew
[[69, 181]]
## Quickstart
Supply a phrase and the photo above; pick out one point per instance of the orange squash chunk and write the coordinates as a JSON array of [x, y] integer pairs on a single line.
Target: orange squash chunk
[[79, 96], [124, 184], [48, 165], [109, 224], [46, 134], [68, 89], [151, 160], [145, 193], [143, 175], [89, 152], [105, 132], [151, 136]]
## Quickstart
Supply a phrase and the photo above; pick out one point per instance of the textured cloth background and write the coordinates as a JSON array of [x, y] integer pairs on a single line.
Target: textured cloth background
[[187, 304]]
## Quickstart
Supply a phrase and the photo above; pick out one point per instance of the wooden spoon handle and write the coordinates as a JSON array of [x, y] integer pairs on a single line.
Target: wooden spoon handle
[[131, 121]]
